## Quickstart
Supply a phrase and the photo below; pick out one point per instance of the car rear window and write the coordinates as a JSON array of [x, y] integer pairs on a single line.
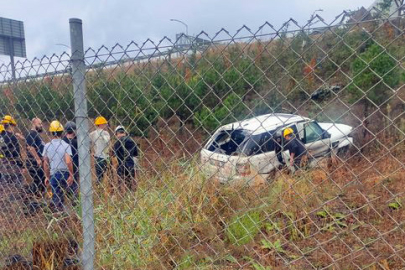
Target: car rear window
[[229, 141]]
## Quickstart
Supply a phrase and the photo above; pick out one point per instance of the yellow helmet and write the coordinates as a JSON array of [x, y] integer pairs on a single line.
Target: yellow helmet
[[288, 131], [8, 119], [100, 121], [55, 126], [1, 128]]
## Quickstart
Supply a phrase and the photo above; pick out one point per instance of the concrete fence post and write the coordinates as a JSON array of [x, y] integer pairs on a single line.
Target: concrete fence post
[[80, 99]]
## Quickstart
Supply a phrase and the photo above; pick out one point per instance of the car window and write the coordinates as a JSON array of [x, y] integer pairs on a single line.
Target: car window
[[259, 144], [313, 132], [267, 142], [252, 146], [228, 141]]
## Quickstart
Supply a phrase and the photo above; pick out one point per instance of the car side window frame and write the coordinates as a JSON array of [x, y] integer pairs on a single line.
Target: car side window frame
[[264, 141], [264, 138], [301, 130], [319, 138]]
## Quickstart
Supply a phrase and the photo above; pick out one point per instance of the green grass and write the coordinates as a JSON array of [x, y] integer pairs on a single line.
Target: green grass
[[168, 215], [243, 228]]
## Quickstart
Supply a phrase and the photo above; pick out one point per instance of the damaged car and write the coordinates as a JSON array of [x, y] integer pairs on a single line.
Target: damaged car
[[242, 150]]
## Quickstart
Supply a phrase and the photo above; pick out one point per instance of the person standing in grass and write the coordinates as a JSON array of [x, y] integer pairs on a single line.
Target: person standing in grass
[[71, 139], [126, 152], [11, 164], [58, 166], [35, 148], [100, 140], [2, 132]]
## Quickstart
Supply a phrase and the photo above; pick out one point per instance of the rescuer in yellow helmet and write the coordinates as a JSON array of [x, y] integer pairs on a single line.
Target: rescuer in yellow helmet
[[295, 146], [11, 162], [8, 120], [100, 139], [58, 166]]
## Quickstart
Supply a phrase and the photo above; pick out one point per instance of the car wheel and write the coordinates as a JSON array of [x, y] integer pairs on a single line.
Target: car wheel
[[271, 176], [343, 153]]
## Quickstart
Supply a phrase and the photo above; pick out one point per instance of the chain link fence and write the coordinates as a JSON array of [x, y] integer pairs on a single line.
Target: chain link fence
[[269, 149]]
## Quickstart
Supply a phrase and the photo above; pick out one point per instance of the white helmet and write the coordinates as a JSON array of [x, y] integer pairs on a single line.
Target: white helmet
[[120, 128]]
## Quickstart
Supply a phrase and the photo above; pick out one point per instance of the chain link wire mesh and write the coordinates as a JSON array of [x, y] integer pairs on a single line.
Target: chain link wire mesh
[[193, 170]]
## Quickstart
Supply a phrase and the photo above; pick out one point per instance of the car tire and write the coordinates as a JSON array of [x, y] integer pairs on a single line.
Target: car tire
[[343, 153]]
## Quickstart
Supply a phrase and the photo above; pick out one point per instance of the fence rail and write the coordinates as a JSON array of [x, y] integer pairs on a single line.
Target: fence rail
[[269, 149]]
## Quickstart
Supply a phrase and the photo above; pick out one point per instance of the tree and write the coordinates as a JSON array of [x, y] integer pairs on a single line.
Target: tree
[[374, 73], [40, 100], [385, 6], [230, 110]]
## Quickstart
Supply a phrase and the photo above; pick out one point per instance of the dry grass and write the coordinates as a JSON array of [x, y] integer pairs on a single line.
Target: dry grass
[[347, 216], [319, 219]]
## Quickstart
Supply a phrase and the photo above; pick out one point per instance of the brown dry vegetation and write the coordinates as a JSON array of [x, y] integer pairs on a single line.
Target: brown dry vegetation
[[347, 216], [321, 219]]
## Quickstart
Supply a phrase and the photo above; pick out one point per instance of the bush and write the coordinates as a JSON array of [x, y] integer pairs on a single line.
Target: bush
[[230, 110], [242, 229], [40, 100]]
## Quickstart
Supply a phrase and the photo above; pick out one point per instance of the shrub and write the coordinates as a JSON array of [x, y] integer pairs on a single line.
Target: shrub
[[242, 229], [374, 72]]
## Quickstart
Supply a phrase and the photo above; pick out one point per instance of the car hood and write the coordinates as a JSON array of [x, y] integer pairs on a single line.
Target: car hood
[[336, 130]]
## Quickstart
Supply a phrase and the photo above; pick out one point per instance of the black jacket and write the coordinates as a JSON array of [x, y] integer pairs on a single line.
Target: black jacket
[[297, 147], [75, 154], [125, 149], [11, 147]]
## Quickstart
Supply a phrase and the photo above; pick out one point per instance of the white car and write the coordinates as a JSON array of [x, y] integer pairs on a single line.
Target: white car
[[245, 149]]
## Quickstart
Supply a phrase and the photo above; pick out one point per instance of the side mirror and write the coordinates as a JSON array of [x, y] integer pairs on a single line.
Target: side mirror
[[326, 135]]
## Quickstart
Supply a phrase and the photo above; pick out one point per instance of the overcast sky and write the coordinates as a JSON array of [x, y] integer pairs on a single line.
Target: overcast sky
[[121, 21]]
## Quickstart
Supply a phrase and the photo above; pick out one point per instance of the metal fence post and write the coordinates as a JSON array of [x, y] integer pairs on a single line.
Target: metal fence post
[[79, 88]]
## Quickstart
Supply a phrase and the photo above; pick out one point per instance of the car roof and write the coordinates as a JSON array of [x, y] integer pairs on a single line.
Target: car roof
[[265, 122]]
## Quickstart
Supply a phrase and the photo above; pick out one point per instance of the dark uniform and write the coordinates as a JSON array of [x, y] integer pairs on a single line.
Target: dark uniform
[[279, 150], [2, 144], [75, 158], [36, 171], [11, 164], [125, 149], [297, 147], [75, 155]]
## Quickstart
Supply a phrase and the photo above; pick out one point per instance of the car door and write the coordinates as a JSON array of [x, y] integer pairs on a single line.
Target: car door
[[316, 140], [261, 152]]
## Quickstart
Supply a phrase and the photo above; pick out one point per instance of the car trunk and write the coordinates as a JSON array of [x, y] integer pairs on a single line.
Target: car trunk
[[223, 156]]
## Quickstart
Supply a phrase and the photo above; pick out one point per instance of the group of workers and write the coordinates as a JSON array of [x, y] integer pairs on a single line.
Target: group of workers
[[56, 163]]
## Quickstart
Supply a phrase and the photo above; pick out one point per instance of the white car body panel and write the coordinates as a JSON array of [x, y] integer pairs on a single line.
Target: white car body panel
[[339, 133]]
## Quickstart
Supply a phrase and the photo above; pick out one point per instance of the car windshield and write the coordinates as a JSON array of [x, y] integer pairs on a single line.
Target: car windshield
[[229, 142]]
